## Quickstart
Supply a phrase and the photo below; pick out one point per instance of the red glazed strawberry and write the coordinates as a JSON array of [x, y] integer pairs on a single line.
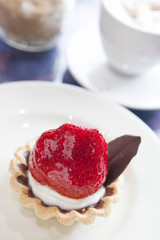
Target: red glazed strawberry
[[71, 160]]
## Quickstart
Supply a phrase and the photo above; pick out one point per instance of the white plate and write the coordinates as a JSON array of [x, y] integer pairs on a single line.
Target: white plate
[[88, 64], [27, 109]]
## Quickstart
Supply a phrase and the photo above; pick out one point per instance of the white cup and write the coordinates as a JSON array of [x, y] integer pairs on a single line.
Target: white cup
[[129, 50]]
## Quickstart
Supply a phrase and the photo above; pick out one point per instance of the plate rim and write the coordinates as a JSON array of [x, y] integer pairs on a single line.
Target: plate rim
[[82, 90]]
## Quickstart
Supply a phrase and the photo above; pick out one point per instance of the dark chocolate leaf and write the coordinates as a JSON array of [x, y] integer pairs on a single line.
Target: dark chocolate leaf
[[120, 152]]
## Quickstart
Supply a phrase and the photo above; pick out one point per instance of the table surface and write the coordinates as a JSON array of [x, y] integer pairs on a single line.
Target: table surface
[[52, 66]]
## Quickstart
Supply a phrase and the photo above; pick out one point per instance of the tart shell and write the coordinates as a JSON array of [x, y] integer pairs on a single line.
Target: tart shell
[[28, 200]]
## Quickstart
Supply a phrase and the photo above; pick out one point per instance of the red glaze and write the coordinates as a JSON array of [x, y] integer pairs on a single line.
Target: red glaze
[[71, 160]]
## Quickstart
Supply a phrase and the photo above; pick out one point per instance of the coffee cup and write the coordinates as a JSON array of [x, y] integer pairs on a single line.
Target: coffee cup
[[130, 48]]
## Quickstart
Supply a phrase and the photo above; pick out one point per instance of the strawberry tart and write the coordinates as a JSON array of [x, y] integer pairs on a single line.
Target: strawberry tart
[[71, 173]]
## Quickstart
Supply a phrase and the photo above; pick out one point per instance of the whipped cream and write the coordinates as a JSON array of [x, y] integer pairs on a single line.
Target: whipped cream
[[142, 14], [53, 198]]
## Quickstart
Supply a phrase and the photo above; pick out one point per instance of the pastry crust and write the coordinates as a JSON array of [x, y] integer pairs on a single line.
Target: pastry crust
[[86, 216]]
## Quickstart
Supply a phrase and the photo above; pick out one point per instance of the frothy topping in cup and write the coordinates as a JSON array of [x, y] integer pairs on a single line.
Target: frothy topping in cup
[[142, 14]]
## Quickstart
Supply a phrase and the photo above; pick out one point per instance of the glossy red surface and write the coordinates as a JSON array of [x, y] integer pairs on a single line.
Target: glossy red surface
[[71, 160]]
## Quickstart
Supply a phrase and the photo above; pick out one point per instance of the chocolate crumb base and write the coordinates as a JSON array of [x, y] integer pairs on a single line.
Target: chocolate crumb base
[[23, 179]]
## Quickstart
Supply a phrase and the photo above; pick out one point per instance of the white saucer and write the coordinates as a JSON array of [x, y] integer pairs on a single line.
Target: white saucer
[[88, 64]]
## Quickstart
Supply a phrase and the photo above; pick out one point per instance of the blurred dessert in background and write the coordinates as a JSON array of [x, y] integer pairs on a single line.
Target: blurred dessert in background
[[33, 22]]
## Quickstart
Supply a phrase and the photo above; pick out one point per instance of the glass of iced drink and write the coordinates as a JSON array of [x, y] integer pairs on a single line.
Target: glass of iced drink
[[33, 25]]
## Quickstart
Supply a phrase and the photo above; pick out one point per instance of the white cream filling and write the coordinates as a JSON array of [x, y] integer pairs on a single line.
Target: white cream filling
[[51, 197]]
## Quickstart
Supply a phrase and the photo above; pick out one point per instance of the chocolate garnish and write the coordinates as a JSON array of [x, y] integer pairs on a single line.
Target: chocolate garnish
[[120, 152], [22, 180], [99, 204], [30, 193], [26, 156], [23, 168]]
